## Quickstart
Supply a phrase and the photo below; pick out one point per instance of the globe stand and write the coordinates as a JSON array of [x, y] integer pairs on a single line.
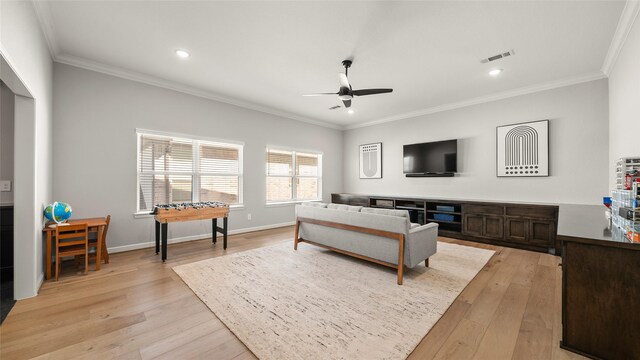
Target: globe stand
[[58, 224]]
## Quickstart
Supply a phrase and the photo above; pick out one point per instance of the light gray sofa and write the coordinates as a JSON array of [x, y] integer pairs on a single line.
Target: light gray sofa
[[380, 235]]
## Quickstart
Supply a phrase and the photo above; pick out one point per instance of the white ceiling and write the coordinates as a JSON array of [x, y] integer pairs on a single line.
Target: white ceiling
[[267, 54]]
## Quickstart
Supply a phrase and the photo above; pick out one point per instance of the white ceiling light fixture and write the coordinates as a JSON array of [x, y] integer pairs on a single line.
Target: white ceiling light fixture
[[495, 72], [183, 54], [350, 111]]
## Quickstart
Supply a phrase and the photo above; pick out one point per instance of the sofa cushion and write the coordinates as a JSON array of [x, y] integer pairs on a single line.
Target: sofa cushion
[[344, 207], [314, 204], [388, 212]]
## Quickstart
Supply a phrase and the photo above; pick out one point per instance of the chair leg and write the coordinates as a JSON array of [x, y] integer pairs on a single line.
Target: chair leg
[[105, 253], [57, 264], [86, 260], [426, 262]]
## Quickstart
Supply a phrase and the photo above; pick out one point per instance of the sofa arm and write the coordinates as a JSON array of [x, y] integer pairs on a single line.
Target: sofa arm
[[430, 226], [421, 244]]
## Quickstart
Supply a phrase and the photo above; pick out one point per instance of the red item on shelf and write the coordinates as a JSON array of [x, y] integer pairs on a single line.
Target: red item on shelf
[[627, 182]]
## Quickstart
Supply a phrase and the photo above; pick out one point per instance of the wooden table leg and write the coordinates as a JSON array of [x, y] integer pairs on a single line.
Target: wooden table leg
[[157, 237], [48, 260], [99, 248], [164, 242], [224, 233], [214, 230]]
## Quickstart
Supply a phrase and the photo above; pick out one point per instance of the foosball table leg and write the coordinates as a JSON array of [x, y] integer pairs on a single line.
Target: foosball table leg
[[214, 228], [157, 237], [224, 233], [164, 242]]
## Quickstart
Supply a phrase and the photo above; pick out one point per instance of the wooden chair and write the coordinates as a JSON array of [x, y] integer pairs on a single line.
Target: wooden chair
[[72, 240], [93, 243]]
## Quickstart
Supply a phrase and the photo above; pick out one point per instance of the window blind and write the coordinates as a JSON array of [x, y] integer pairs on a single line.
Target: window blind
[[219, 173], [175, 169], [165, 170]]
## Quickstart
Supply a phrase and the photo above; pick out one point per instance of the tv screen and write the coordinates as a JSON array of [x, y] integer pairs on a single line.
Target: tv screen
[[431, 157]]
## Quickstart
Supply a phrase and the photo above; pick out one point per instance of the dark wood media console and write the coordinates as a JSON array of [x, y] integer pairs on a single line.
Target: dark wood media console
[[525, 226]]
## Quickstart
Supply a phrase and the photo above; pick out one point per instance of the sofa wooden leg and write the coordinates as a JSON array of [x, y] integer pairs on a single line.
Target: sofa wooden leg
[[295, 239], [400, 258], [426, 262]]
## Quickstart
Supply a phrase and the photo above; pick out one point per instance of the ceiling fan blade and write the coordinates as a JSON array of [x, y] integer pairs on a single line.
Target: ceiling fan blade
[[320, 94], [364, 92], [344, 81], [347, 103]]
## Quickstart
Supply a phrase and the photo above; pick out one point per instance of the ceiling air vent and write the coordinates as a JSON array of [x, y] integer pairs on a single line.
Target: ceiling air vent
[[497, 57], [334, 107]]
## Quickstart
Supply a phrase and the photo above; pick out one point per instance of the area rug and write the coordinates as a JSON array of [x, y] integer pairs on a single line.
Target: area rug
[[317, 304]]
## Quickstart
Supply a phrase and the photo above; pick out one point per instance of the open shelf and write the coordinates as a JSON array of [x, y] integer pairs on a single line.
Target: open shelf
[[409, 208], [444, 221], [445, 212], [383, 203]]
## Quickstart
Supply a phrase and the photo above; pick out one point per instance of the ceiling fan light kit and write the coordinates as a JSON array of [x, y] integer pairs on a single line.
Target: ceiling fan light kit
[[346, 92]]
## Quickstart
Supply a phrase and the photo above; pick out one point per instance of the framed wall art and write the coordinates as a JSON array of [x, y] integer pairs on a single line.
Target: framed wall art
[[371, 161], [523, 149]]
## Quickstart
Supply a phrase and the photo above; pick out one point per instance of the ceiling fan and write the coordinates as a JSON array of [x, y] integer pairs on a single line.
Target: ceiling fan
[[346, 93]]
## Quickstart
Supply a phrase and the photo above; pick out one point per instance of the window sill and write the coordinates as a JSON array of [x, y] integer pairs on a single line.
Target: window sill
[[147, 214], [289, 203]]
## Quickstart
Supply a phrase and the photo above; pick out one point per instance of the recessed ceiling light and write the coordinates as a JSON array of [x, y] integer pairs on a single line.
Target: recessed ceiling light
[[182, 53], [350, 111], [495, 72]]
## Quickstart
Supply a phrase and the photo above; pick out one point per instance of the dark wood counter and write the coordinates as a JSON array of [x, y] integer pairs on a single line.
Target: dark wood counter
[[600, 289]]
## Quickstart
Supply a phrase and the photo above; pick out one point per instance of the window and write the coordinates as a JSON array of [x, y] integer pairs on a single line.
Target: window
[[179, 169], [293, 176]]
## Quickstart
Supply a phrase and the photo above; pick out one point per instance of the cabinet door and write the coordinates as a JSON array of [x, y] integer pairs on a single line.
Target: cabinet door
[[542, 233], [473, 225], [493, 227], [517, 230]]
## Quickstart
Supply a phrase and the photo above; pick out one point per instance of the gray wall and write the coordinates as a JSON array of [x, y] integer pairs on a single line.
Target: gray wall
[[579, 163], [95, 150], [7, 100], [624, 102]]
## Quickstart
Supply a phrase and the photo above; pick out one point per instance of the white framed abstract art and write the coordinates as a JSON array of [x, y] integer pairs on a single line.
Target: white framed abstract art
[[523, 149], [371, 161]]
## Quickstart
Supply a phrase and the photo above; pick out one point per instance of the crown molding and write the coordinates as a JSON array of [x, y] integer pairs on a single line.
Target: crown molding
[[170, 85], [627, 18], [43, 13], [484, 99]]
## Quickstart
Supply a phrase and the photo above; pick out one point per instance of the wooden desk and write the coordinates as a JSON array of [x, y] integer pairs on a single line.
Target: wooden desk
[[94, 224]]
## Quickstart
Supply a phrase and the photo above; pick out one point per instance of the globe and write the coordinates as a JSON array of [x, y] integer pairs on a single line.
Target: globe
[[58, 212]]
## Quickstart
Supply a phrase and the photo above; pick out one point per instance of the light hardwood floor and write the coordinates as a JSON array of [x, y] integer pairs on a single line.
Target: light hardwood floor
[[136, 307]]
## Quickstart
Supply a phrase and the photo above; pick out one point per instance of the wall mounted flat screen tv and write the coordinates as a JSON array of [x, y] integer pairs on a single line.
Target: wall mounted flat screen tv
[[438, 157]]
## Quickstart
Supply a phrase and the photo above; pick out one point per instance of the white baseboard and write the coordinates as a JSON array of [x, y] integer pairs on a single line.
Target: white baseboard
[[144, 245]]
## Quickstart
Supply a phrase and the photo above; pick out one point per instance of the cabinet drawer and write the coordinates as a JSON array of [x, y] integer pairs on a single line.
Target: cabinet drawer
[[537, 212], [494, 227], [473, 225], [542, 233], [517, 230], [483, 209]]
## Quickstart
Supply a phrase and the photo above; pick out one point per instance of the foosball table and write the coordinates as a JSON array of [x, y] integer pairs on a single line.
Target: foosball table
[[166, 213]]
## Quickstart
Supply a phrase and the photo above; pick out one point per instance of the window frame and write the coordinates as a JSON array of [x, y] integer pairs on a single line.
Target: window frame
[[294, 176], [195, 169]]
